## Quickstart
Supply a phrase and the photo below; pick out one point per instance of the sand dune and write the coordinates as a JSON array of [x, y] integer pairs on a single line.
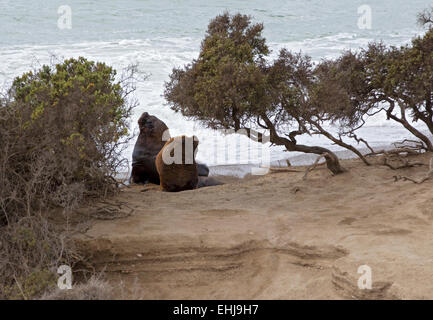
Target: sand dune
[[273, 237]]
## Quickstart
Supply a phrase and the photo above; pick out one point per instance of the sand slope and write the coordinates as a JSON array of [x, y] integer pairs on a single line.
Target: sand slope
[[274, 237]]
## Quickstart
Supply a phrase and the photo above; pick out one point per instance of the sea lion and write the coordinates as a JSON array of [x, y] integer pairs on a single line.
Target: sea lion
[[153, 135], [176, 164], [149, 142]]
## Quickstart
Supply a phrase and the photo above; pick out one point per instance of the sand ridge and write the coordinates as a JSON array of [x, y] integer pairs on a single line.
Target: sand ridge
[[274, 237]]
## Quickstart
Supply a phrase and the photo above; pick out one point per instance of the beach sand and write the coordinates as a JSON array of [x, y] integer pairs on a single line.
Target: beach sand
[[273, 237]]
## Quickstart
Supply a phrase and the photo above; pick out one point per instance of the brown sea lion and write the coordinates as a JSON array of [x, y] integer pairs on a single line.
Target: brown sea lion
[[176, 164], [149, 142]]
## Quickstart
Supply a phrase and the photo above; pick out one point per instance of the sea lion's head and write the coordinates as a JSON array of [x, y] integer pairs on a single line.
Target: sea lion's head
[[151, 126]]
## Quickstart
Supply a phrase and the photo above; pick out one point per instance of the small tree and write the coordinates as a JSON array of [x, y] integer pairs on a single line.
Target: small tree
[[335, 97], [320, 97], [231, 86], [398, 82]]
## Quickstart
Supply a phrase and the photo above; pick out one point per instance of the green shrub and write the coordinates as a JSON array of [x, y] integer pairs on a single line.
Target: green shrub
[[62, 131]]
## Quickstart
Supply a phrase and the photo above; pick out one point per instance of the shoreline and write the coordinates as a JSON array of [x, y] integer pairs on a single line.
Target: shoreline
[[298, 160]]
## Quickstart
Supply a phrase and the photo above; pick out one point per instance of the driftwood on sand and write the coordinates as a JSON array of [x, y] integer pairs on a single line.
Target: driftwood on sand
[[428, 176]]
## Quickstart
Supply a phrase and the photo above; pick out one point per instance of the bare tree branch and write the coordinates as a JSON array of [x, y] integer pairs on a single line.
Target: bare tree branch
[[428, 176], [314, 165]]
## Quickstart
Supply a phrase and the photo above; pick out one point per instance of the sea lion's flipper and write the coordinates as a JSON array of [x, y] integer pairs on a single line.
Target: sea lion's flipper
[[144, 173], [203, 170], [208, 182]]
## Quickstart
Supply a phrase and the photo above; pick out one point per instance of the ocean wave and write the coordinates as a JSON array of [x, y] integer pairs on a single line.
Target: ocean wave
[[157, 56]]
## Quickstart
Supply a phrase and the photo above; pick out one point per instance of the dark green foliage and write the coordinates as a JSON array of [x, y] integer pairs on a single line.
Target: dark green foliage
[[231, 86], [226, 83], [396, 81]]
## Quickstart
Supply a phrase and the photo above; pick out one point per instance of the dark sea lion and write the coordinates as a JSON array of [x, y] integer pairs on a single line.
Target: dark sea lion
[[149, 142], [203, 170], [176, 164]]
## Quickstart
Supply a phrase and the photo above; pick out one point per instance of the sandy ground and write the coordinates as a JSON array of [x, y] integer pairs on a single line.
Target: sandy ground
[[273, 237]]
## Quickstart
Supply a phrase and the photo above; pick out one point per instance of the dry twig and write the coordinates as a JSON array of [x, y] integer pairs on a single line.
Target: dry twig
[[428, 176], [282, 169], [314, 165], [399, 153]]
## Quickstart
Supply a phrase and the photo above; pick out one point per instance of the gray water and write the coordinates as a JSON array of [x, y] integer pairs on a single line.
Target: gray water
[[35, 23], [160, 35]]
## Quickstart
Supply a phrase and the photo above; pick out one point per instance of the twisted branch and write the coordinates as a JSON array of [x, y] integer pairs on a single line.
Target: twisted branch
[[428, 176]]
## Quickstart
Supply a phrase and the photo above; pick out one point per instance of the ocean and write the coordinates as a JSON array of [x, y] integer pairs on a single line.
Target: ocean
[[160, 35]]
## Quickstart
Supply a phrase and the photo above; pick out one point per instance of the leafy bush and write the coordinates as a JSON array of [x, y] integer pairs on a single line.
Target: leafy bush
[[62, 130]]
